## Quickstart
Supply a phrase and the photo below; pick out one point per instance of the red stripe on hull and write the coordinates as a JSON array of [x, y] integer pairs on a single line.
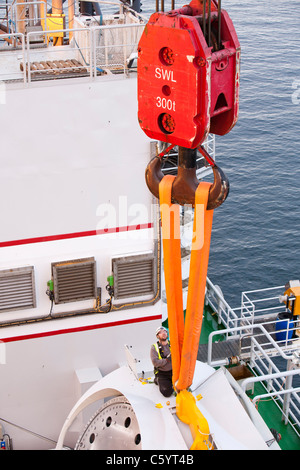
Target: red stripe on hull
[[81, 328], [66, 236]]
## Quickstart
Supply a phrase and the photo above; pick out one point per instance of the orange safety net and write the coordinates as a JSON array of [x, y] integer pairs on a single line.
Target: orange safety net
[[185, 335]]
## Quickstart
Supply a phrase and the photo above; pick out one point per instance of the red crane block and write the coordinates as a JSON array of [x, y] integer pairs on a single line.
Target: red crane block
[[186, 88]]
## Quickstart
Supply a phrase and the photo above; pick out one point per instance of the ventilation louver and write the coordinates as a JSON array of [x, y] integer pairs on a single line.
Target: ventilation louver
[[134, 276], [17, 289], [74, 280]]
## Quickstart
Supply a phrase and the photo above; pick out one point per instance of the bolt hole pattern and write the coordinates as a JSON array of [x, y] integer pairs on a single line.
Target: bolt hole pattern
[[166, 56], [127, 422], [166, 123], [108, 421]]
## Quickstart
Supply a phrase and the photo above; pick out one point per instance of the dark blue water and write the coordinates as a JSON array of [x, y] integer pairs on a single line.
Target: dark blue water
[[256, 232], [256, 235]]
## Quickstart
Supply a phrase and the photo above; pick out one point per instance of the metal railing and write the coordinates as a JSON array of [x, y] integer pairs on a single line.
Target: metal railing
[[257, 306], [276, 382], [10, 66], [115, 54], [271, 338], [258, 354], [267, 346], [227, 316], [32, 13], [259, 303], [57, 61], [92, 51]]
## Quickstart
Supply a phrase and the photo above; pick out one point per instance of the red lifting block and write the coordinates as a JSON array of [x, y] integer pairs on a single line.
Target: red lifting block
[[187, 89]]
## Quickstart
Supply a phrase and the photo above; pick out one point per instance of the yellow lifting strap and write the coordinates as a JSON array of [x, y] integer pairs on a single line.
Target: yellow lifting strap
[[185, 335], [203, 219], [188, 412]]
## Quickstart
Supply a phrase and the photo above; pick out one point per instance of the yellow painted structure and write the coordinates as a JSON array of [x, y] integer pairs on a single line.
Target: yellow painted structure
[[293, 292]]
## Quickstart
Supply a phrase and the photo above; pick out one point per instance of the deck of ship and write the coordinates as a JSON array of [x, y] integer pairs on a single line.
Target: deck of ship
[[236, 352], [237, 347]]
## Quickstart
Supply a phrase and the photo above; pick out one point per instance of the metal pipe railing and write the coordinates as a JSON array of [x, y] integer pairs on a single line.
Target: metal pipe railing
[[240, 329], [54, 50], [15, 37], [90, 49], [288, 392], [18, 8], [86, 49], [226, 314]]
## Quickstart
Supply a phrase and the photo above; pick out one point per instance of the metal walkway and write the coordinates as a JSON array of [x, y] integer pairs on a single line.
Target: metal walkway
[[238, 346], [220, 350]]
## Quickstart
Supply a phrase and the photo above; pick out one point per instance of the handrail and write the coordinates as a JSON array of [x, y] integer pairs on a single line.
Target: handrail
[[275, 394], [248, 301], [123, 5], [124, 47], [251, 309], [263, 290], [223, 305], [49, 32], [91, 65], [22, 37], [262, 378], [260, 360], [264, 362], [290, 392], [15, 4], [95, 29]]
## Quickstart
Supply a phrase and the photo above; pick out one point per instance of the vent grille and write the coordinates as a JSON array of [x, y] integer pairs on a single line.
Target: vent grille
[[134, 276], [74, 280], [17, 290]]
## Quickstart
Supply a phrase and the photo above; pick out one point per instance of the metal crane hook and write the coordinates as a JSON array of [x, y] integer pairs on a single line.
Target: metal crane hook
[[186, 181]]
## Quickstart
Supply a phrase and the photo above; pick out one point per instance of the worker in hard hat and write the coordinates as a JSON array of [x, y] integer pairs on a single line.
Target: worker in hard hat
[[160, 354]]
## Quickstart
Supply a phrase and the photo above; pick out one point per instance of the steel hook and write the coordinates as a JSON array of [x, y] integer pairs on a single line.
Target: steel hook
[[186, 181]]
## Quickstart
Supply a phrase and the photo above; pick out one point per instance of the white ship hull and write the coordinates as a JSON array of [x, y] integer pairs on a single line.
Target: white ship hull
[[74, 151]]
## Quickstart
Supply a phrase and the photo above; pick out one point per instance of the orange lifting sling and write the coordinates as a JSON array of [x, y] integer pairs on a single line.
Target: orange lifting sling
[[183, 71], [185, 335]]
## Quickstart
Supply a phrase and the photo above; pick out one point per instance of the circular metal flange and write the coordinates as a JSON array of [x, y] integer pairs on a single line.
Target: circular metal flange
[[113, 427]]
